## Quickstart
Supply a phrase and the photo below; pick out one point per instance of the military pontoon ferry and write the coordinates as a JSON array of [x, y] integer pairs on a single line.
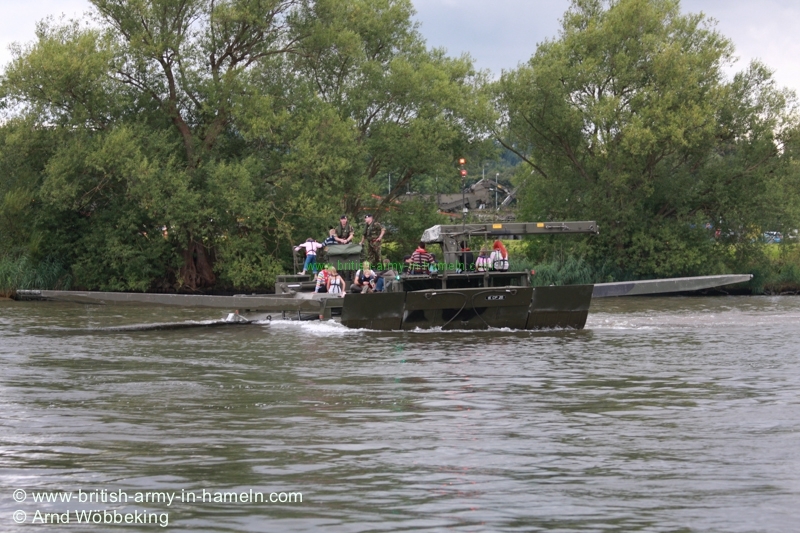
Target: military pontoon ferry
[[454, 299], [449, 299]]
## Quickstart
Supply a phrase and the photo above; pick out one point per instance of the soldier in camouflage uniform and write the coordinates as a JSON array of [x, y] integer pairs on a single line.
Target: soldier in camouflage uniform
[[344, 232], [373, 233]]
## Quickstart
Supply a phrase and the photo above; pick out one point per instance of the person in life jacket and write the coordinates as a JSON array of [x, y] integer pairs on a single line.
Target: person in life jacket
[[483, 263], [335, 283], [499, 257], [311, 246], [364, 280], [420, 260], [322, 281]]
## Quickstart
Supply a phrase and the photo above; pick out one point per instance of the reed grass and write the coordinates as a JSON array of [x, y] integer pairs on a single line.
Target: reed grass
[[568, 271], [22, 273]]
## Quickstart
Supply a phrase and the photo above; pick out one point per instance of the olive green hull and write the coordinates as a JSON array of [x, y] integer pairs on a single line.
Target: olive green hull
[[470, 308]]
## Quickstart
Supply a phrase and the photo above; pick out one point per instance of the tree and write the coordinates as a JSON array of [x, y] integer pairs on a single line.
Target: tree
[[144, 104], [627, 118], [190, 142], [406, 104]]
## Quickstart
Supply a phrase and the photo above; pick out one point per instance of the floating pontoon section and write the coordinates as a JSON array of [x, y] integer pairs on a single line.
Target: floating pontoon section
[[272, 303], [663, 286]]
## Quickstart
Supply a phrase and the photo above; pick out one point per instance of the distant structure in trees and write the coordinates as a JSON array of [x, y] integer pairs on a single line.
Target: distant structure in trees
[[479, 196]]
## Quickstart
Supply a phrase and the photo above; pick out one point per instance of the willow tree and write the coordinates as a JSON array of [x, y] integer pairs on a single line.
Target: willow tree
[[627, 117]]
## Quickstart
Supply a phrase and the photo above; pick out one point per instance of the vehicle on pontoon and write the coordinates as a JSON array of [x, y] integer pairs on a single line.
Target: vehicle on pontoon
[[454, 297]]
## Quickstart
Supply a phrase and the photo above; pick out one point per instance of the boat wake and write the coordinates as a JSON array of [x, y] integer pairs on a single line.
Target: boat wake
[[315, 327]]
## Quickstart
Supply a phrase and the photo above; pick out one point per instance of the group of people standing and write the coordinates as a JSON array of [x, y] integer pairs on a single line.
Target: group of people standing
[[343, 233]]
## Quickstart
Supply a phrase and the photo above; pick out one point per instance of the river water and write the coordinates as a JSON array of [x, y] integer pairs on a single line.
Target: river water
[[664, 414]]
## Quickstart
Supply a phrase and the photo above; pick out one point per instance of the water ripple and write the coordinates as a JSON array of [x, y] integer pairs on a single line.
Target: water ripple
[[667, 414]]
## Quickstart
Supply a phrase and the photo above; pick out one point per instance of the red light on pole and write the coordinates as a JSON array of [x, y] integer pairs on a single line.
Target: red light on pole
[[463, 173]]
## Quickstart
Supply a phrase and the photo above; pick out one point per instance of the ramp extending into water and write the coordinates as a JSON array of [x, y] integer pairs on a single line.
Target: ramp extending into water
[[662, 286]]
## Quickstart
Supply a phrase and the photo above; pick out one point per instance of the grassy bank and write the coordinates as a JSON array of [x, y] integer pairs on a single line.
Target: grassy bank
[[21, 273]]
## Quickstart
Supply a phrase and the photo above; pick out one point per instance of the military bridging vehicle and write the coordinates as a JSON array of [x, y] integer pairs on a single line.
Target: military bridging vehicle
[[458, 297], [453, 298]]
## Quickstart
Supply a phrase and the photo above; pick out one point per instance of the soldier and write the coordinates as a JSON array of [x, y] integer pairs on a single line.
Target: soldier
[[373, 233], [344, 232]]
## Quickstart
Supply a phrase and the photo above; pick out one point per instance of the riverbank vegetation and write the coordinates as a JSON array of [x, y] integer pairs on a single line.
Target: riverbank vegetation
[[628, 118], [182, 145], [22, 273]]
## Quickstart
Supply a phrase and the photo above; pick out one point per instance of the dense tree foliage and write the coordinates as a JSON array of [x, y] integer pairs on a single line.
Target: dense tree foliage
[[628, 118], [189, 143]]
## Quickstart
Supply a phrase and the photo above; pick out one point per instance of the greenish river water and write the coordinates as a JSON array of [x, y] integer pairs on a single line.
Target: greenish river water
[[663, 415]]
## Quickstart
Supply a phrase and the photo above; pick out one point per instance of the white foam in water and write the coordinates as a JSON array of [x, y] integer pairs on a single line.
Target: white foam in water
[[331, 327], [314, 327], [616, 322], [438, 329]]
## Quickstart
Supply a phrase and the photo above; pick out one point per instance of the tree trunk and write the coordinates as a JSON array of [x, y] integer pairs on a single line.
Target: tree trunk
[[196, 271]]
